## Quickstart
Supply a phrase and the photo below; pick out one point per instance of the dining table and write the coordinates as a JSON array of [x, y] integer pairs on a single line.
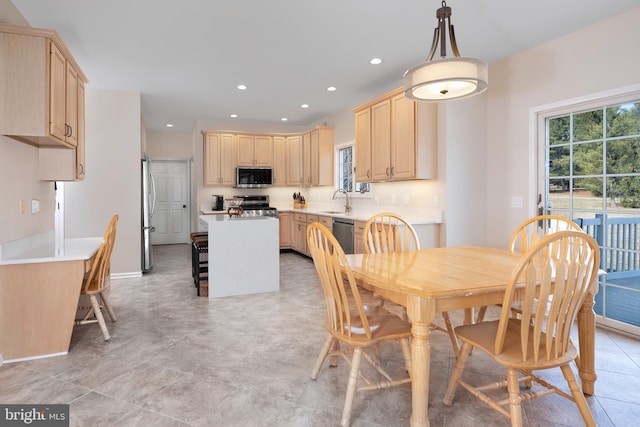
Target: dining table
[[430, 281]]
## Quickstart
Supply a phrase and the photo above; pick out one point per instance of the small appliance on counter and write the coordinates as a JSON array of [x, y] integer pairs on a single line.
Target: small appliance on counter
[[218, 202]]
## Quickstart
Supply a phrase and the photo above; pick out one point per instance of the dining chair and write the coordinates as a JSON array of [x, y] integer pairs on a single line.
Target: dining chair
[[389, 232], [561, 268], [96, 282], [529, 232], [350, 322]]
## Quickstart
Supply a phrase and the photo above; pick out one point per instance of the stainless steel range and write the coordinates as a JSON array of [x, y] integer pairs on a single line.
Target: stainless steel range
[[256, 206]]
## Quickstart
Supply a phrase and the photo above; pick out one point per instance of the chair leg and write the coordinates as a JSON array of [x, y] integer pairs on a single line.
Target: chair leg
[[326, 347], [481, 312], [451, 332], [587, 416], [107, 304], [351, 386], [406, 352], [463, 355], [100, 317], [515, 410]]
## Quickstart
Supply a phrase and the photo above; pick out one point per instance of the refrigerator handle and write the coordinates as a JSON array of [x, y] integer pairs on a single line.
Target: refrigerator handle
[[153, 186]]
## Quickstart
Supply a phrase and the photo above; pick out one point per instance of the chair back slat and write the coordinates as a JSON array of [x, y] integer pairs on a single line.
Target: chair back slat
[[560, 268], [345, 310], [388, 232], [532, 230]]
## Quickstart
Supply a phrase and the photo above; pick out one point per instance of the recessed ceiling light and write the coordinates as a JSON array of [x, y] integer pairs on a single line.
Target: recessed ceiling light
[[284, 119], [169, 125], [233, 115], [331, 89], [242, 87], [375, 61], [304, 106]]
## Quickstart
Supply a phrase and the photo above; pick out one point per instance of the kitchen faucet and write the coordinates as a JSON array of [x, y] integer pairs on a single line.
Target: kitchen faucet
[[347, 206]]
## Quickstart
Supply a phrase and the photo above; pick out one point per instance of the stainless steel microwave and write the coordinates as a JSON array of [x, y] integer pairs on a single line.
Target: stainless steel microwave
[[249, 177]]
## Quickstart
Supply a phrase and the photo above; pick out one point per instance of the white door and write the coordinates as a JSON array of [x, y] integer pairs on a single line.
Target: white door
[[172, 210]]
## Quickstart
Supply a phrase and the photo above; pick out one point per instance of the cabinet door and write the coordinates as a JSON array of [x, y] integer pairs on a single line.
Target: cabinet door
[[294, 160], [57, 93], [363, 145], [300, 237], [306, 159], [263, 151], [244, 150], [358, 241], [211, 163], [403, 138], [380, 141], [279, 160], [80, 147], [285, 229], [227, 155], [71, 106]]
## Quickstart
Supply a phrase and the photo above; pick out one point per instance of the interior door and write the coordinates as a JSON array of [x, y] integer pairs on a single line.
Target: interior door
[[172, 211]]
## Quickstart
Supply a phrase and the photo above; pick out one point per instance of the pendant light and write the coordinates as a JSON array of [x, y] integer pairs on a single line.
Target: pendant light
[[445, 78]]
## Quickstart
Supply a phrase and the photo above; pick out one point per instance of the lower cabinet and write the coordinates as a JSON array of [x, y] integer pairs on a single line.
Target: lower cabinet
[[286, 229], [358, 243], [300, 233]]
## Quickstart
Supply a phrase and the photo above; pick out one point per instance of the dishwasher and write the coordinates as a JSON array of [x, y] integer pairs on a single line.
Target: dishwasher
[[343, 231]]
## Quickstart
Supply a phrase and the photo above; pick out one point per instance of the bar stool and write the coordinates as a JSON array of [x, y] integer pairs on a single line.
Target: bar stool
[[199, 266]]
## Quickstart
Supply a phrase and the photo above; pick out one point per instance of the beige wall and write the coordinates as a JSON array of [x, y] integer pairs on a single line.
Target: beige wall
[[18, 172], [112, 184], [602, 57], [169, 145]]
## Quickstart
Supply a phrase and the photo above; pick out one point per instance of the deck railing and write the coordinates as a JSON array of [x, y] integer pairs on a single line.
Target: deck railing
[[619, 240]]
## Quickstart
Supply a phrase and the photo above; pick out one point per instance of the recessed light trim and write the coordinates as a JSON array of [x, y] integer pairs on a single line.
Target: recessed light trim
[[169, 125], [284, 119], [375, 61], [331, 89], [233, 116], [242, 87], [304, 106]]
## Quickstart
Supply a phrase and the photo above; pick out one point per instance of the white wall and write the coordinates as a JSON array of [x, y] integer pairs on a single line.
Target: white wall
[[601, 57], [112, 184]]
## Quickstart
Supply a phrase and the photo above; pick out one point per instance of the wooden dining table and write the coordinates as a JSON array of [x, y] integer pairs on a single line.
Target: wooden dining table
[[431, 281]]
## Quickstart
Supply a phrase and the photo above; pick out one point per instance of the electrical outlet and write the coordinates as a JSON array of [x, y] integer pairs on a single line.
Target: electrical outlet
[[35, 206], [516, 202]]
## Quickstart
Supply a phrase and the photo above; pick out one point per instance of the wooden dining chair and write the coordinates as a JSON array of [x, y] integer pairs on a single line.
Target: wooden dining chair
[[389, 232], [560, 268], [529, 232], [96, 283], [350, 322]]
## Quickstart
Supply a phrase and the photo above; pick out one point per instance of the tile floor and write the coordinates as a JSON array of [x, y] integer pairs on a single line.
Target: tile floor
[[179, 360]]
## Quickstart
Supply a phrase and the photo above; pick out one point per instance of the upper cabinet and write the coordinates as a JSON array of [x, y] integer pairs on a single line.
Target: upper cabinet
[[294, 160], [318, 153], [396, 139], [254, 150], [279, 160], [219, 159], [40, 88]]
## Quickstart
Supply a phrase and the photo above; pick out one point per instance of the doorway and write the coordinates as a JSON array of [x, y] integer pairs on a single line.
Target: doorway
[[587, 171], [171, 218]]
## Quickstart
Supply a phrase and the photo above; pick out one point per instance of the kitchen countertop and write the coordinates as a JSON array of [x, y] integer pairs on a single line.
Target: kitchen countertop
[[360, 213], [43, 249]]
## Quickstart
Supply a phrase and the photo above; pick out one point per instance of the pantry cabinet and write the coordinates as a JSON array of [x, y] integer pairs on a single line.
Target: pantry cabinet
[[254, 150], [396, 139], [219, 159]]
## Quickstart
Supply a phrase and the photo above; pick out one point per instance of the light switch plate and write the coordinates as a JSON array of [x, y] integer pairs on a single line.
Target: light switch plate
[[35, 206]]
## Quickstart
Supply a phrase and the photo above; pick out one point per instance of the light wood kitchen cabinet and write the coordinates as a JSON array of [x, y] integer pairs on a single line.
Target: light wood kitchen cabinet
[[363, 145], [358, 242], [219, 159], [400, 142], [294, 160], [279, 160], [286, 229], [327, 221], [40, 87], [300, 232], [254, 150], [318, 154]]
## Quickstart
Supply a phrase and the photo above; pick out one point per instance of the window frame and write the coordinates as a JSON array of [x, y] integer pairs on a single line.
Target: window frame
[[352, 193]]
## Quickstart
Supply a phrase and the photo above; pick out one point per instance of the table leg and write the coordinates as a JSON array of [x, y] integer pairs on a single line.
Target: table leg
[[422, 313], [586, 341]]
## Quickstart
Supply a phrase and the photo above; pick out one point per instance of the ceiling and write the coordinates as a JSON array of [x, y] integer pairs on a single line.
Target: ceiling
[[187, 57]]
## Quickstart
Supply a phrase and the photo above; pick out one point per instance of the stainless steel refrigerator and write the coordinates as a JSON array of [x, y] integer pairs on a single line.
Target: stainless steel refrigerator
[[148, 207]]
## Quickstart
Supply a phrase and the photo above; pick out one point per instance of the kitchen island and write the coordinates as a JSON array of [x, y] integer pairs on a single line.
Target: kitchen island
[[244, 254], [40, 282]]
